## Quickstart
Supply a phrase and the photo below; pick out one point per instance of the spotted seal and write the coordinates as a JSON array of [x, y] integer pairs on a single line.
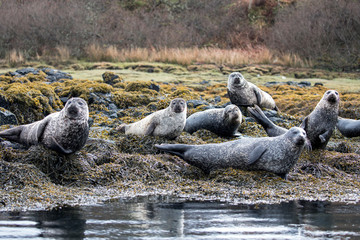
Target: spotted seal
[[244, 94], [319, 124], [168, 122], [272, 154], [65, 131], [221, 121], [348, 127]]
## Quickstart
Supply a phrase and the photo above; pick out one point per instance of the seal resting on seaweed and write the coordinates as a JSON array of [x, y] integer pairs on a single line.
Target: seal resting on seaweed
[[221, 121], [272, 154], [319, 124], [168, 122], [65, 131], [246, 94], [348, 127]]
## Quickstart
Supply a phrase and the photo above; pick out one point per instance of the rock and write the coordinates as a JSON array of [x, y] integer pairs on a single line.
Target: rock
[[154, 87], [111, 78], [54, 75], [25, 71], [196, 103], [318, 84], [217, 99], [7, 118]]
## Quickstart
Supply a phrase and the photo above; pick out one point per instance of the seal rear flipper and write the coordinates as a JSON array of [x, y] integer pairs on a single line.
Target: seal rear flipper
[[12, 134], [176, 149], [256, 154], [271, 129], [54, 145]]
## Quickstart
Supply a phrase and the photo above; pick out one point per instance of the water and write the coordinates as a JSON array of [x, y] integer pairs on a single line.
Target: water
[[161, 218]]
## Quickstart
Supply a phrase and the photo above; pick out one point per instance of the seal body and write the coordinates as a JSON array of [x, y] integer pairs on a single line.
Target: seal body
[[65, 131], [244, 94], [319, 124], [223, 122], [168, 122], [273, 154], [349, 127]]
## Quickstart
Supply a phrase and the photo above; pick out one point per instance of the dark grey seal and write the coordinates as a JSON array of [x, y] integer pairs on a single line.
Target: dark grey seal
[[245, 94], [168, 122], [272, 154], [65, 131], [221, 121], [319, 124], [348, 127]]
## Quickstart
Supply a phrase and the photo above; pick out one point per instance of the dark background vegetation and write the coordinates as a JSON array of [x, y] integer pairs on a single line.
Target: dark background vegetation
[[324, 31]]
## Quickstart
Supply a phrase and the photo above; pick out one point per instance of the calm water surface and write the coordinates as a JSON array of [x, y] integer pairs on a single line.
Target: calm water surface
[[162, 218]]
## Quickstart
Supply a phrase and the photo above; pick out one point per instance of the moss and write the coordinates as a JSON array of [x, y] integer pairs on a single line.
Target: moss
[[123, 99], [83, 88], [31, 101]]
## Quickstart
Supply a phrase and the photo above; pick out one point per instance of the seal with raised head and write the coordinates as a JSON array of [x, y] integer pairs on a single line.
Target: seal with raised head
[[246, 94], [272, 154], [319, 124], [65, 131], [168, 122], [348, 127], [221, 121]]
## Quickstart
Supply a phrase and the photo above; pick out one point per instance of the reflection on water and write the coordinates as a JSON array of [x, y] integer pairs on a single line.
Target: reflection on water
[[154, 218]]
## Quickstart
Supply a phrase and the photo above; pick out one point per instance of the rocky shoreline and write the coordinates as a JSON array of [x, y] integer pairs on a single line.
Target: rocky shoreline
[[112, 165]]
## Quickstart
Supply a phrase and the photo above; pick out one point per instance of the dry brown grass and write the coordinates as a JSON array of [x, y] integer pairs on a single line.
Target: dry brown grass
[[15, 57], [182, 56], [188, 56]]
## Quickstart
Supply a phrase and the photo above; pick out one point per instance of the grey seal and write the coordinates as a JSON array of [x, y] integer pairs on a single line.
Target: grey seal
[[221, 121], [168, 122], [65, 132], [319, 124], [272, 154], [348, 127], [246, 94]]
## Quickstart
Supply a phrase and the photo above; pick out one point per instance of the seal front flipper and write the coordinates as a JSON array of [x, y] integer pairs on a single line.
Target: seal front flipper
[[12, 134], [258, 96], [41, 128], [176, 149], [325, 135], [54, 145], [150, 129], [256, 154]]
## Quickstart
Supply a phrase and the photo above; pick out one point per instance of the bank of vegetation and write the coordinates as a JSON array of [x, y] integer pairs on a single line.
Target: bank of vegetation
[[306, 33]]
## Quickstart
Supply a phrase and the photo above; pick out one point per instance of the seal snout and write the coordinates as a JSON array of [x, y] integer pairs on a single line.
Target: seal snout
[[73, 111]]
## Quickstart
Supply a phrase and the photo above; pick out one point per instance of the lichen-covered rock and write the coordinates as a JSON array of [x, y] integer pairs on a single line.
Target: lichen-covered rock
[[7, 118]]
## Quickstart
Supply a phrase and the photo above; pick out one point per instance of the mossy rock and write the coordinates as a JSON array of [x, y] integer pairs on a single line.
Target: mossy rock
[[30, 101], [83, 88], [112, 78]]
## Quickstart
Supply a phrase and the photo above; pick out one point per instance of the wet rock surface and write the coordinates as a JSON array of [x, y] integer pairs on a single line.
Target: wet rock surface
[[112, 165]]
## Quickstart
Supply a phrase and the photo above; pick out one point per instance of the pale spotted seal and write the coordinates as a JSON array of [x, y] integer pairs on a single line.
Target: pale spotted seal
[[65, 131], [319, 124], [246, 94], [272, 154], [348, 127], [168, 122], [221, 121]]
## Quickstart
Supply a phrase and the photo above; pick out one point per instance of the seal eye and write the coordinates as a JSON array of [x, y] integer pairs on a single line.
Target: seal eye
[[336, 93], [69, 102], [80, 103]]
